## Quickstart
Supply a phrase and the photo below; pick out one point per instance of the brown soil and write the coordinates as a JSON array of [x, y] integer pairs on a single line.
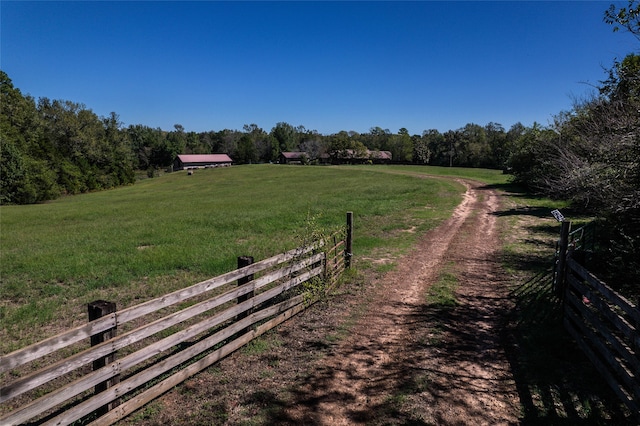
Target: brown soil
[[378, 353]]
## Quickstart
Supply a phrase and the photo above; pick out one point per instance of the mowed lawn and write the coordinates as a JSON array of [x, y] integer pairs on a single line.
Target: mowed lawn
[[134, 243]]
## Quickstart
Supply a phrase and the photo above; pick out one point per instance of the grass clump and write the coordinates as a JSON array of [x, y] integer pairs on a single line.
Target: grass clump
[[442, 294], [261, 345]]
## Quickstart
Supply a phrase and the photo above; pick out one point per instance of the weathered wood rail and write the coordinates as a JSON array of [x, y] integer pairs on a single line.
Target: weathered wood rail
[[604, 324], [159, 350]]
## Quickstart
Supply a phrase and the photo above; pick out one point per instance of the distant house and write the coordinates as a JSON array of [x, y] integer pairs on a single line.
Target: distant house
[[350, 156], [293, 158], [380, 157], [201, 161]]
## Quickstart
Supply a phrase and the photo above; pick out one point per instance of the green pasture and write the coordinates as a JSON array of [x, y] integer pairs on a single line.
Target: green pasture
[[488, 176], [138, 242]]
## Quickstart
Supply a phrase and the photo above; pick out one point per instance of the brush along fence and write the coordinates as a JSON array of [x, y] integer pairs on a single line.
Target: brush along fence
[[162, 342], [604, 324]]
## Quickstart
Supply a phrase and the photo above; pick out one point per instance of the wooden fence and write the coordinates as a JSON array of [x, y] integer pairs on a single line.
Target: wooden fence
[[162, 342], [604, 324]]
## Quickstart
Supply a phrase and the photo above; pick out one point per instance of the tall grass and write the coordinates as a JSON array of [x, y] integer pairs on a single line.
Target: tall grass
[[131, 244]]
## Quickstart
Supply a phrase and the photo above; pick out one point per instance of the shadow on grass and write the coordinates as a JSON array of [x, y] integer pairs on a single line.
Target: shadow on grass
[[540, 212], [539, 206]]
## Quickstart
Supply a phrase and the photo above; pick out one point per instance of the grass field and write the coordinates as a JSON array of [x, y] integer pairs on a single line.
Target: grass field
[[131, 244]]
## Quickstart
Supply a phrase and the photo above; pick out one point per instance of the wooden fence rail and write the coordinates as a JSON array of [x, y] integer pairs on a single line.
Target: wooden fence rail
[[206, 321], [606, 327]]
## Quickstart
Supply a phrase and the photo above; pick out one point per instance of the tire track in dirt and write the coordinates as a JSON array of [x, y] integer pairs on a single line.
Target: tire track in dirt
[[467, 377], [472, 379]]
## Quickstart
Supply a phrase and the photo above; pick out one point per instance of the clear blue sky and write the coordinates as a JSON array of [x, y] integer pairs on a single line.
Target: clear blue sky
[[328, 66]]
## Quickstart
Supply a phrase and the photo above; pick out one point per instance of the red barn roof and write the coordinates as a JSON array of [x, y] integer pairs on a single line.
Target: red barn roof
[[205, 158]]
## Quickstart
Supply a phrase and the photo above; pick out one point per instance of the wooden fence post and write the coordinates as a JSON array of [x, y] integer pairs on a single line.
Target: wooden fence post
[[335, 255], [348, 250], [242, 262], [637, 347], [99, 309], [562, 259]]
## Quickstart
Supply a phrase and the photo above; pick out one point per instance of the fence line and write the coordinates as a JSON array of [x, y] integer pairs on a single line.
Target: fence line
[[210, 329], [77, 334], [604, 324]]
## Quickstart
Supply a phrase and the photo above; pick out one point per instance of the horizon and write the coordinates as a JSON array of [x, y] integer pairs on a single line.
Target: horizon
[[327, 66]]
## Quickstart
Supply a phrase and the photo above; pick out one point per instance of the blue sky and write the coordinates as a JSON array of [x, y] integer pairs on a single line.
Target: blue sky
[[328, 66]]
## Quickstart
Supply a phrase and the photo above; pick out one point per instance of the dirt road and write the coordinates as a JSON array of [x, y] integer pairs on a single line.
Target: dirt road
[[453, 369], [399, 360]]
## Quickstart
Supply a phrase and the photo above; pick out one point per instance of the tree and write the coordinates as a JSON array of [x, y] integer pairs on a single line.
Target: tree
[[342, 147], [314, 147], [176, 143], [603, 148], [623, 84], [625, 17], [260, 141], [193, 145], [591, 157], [529, 159], [378, 139], [12, 171], [73, 143], [421, 152], [246, 152], [452, 140], [620, 120], [56, 147], [19, 130], [401, 146], [285, 136], [438, 152], [143, 141], [497, 144], [265, 148], [472, 149], [228, 141], [120, 159], [40, 183], [511, 137]]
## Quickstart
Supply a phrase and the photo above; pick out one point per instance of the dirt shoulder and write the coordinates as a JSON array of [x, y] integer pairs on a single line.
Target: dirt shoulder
[[378, 353]]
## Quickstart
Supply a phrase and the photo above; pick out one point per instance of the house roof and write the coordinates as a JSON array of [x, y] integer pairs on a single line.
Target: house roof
[[294, 155], [380, 155], [371, 155], [205, 158]]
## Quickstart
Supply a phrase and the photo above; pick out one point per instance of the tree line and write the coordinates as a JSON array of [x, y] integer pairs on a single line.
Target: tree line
[[55, 147], [50, 148]]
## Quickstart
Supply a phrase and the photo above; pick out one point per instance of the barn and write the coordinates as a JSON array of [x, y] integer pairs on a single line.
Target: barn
[[380, 157], [293, 158], [201, 161]]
